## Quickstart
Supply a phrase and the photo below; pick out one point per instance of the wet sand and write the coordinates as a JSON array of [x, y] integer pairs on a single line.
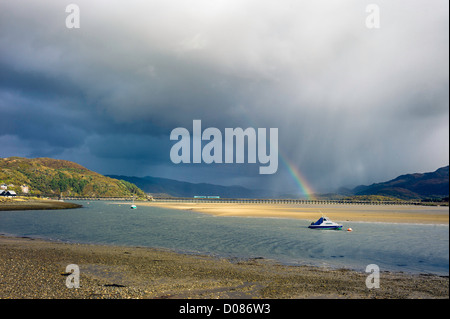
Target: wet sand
[[312, 212], [31, 268]]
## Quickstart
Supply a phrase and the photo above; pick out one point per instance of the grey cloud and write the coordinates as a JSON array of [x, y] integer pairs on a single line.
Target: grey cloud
[[352, 105], [127, 146]]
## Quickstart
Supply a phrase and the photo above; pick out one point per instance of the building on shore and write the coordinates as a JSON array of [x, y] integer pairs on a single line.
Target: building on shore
[[7, 193]]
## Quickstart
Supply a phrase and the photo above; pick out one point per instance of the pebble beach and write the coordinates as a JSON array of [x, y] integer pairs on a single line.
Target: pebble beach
[[35, 269]]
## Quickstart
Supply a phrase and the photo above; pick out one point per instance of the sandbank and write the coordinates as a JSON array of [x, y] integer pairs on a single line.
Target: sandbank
[[336, 212], [35, 204]]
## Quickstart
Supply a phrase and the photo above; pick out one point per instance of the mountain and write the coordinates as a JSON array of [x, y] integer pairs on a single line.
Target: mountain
[[156, 185], [411, 186], [50, 176]]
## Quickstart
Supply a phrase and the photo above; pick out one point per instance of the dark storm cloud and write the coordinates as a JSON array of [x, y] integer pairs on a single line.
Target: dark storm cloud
[[352, 105], [35, 84], [36, 120], [127, 146]]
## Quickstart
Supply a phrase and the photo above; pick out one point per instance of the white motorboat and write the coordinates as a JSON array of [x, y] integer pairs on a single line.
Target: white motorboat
[[324, 223], [132, 204]]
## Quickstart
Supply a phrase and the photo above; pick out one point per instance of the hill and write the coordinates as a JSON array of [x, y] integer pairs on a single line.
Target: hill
[[411, 186], [156, 185], [50, 176]]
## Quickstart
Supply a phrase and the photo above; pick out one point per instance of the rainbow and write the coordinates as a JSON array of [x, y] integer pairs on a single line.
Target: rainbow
[[301, 182], [303, 185]]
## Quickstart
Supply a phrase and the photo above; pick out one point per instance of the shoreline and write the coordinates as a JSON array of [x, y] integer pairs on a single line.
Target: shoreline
[[340, 213], [34, 268], [36, 204]]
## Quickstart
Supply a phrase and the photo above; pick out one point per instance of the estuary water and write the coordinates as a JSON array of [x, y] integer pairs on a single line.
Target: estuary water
[[410, 248]]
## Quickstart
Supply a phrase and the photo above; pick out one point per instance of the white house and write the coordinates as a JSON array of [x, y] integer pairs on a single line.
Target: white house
[[7, 193], [24, 188]]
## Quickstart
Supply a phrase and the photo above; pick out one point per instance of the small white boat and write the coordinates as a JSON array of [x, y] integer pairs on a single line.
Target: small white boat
[[324, 223], [132, 204]]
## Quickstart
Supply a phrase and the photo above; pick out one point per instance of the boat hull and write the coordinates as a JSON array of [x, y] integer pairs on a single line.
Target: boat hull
[[336, 227]]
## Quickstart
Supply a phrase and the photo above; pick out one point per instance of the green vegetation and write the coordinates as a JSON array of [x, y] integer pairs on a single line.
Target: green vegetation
[[436, 201], [45, 176], [372, 198]]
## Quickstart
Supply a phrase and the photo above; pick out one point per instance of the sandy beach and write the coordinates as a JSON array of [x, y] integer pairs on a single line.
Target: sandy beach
[[31, 268], [336, 212]]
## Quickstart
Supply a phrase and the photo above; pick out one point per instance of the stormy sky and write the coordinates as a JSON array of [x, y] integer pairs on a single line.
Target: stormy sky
[[353, 105]]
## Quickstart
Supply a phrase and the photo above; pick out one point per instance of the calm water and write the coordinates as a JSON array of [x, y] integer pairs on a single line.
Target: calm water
[[393, 247]]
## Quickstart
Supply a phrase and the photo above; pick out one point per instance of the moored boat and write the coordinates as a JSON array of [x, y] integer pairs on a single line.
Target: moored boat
[[324, 223], [132, 204]]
